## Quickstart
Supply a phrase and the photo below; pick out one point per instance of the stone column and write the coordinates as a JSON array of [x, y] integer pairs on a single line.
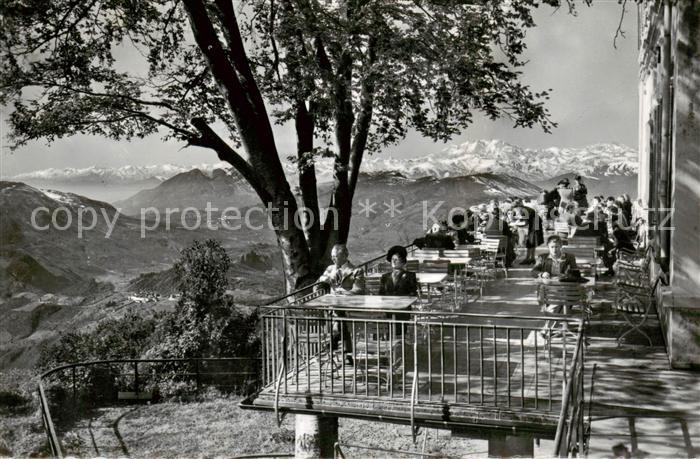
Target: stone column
[[315, 436], [501, 445]]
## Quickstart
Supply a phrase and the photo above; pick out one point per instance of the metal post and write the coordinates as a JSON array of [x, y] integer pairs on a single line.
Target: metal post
[[197, 375], [75, 396], [136, 379]]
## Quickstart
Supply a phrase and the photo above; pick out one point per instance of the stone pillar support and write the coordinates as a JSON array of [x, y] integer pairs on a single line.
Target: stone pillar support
[[315, 436], [501, 445]]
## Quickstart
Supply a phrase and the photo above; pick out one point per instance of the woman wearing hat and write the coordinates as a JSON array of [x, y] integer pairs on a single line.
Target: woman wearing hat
[[398, 282]]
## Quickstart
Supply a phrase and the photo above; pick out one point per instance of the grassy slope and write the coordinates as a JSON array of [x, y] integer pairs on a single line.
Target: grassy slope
[[21, 431], [219, 428]]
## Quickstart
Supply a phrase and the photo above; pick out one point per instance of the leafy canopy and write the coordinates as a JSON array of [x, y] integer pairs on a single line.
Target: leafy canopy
[[424, 65]]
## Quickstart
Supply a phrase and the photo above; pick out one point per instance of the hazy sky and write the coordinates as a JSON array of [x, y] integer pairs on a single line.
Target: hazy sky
[[594, 99]]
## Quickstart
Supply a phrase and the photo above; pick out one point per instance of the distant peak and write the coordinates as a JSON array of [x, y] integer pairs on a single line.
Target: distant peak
[[467, 158]]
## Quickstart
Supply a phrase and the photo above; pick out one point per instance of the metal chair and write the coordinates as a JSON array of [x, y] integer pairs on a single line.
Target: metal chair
[[564, 297], [412, 265], [469, 278], [493, 255], [635, 297], [377, 355], [311, 344], [434, 266], [562, 229]]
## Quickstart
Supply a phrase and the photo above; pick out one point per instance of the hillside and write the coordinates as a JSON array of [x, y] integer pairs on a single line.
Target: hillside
[[53, 280], [194, 188]]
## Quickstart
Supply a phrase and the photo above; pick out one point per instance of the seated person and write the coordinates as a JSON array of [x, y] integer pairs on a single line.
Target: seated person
[[460, 228], [619, 242], [342, 277], [555, 263], [438, 238], [398, 282]]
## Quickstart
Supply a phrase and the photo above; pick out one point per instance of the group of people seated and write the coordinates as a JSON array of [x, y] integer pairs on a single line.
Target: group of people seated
[[523, 224], [343, 278]]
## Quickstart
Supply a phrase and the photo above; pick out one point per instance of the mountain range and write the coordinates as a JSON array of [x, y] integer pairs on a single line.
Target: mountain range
[[469, 158], [53, 280]]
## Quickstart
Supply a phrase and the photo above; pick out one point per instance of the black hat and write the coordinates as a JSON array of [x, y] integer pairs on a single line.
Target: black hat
[[398, 250]]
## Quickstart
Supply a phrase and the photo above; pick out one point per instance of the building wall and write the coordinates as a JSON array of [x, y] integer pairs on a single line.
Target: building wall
[[685, 192], [669, 146]]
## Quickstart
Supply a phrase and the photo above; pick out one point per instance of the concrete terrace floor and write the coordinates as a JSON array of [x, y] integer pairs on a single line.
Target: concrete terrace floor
[[637, 400]]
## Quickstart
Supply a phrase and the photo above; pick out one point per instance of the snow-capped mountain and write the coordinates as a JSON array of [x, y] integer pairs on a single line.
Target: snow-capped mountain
[[113, 176], [469, 158], [498, 157]]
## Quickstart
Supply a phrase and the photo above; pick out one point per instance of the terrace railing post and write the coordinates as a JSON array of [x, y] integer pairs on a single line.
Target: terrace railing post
[[136, 379], [197, 375], [75, 390]]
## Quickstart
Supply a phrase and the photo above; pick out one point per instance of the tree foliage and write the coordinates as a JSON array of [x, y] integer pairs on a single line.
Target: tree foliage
[[352, 75], [125, 337], [205, 323]]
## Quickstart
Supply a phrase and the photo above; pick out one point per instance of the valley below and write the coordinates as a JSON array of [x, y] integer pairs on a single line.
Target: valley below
[[55, 277]]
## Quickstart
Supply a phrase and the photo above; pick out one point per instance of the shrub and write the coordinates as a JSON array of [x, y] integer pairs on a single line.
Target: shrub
[[205, 323], [125, 337]]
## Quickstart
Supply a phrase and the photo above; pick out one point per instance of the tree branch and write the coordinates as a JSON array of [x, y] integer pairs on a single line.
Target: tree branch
[[185, 134], [242, 97], [210, 139], [60, 25], [619, 32], [153, 103], [364, 118]]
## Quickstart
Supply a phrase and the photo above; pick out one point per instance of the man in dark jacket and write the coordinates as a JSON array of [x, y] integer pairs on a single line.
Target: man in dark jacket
[[555, 263]]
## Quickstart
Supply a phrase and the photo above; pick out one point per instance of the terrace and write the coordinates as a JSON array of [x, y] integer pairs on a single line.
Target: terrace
[[477, 366]]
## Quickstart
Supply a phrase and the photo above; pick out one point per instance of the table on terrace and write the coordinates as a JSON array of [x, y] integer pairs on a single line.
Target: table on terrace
[[357, 304]]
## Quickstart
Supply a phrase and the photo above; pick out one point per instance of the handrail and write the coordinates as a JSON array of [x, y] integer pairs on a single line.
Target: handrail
[[559, 318], [567, 396], [54, 443], [281, 375], [263, 455], [101, 362]]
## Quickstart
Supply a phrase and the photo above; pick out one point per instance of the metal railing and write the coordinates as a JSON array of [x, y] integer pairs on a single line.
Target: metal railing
[[196, 371], [571, 439], [452, 358]]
